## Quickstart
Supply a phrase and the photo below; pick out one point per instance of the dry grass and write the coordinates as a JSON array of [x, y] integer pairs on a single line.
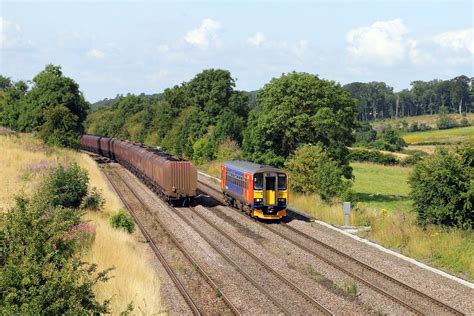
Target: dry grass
[[134, 276], [453, 135], [425, 119]]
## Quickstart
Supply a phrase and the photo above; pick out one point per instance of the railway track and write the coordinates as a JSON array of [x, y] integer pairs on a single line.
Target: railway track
[[190, 301], [300, 292], [397, 291], [277, 301]]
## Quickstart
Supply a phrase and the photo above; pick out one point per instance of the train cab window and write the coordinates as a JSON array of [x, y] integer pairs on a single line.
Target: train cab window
[[281, 181], [258, 181]]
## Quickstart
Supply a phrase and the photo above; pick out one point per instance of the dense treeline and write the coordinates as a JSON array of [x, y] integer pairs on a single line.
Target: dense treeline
[[52, 105], [376, 100]]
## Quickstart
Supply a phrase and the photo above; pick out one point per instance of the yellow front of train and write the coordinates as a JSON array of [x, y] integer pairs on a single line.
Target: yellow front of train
[[270, 195]]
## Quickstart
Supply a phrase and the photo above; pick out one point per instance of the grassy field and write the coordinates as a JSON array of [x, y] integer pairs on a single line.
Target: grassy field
[[381, 201], [425, 119], [453, 135], [24, 161]]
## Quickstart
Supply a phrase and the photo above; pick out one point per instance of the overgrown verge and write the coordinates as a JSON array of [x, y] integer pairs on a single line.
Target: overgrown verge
[[42, 238], [25, 162]]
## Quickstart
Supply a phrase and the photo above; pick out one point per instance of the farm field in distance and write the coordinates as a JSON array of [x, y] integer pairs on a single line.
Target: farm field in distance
[[446, 136]]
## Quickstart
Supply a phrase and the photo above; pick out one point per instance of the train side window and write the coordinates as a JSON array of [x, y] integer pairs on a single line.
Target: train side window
[[258, 181], [281, 181]]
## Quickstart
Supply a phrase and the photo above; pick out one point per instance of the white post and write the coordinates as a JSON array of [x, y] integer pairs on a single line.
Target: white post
[[347, 211]]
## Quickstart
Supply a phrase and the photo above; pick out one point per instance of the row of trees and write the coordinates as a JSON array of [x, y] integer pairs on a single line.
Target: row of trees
[[378, 100], [50, 104]]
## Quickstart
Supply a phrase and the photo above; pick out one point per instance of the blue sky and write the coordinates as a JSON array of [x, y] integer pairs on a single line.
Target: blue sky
[[113, 47]]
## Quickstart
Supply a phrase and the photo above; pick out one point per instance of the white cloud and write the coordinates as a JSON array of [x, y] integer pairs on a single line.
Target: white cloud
[[257, 39], [163, 49], [95, 54], [158, 76], [382, 42], [9, 34], [417, 56], [457, 40], [300, 48], [205, 34]]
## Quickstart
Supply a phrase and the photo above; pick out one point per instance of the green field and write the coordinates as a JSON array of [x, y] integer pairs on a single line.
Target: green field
[[454, 135], [378, 186]]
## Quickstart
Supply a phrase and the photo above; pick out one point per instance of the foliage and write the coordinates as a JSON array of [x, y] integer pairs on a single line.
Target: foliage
[[415, 127], [41, 270], [296, 109], [311, 169], [61, 127], [390, 140], [444, 121], [442, 188], [94, 201], [66, 186], [377, 100], [375, 156], [122, 220], [464, 121], [365, 134]]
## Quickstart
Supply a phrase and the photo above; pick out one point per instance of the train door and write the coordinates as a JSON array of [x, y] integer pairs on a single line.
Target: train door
[[269, 183]]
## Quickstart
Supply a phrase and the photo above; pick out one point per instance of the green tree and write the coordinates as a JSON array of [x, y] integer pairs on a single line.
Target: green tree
[[50, 88], [66, 187], [296, 109], [442, 188], [444, 121], [312, 170], [61, 127]]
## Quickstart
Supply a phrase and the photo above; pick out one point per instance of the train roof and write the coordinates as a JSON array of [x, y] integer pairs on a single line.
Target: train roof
[[247, 166]]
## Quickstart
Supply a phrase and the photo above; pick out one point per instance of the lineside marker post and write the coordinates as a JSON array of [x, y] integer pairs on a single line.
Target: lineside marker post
[[347, 211]]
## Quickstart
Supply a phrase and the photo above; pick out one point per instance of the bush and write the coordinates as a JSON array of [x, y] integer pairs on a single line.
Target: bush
[[311, 169], [122, 220], [94, 201], [389, 140], [365, 134], [444, 121], [442, 188], [464, 121], [66, 187], [204, 150], [375, 156], [61, 127], [412, 159]]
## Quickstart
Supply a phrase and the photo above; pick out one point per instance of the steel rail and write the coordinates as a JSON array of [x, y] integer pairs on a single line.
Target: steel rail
[[228, 259], [193, 261], [293, 286], [384, 275], [192, 305]]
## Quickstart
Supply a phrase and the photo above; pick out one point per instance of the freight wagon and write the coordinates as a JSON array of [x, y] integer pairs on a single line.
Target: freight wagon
[[174, 178], [259, 190]]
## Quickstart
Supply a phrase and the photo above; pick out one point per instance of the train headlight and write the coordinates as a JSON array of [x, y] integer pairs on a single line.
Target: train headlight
[[258, 201], [282, 200]]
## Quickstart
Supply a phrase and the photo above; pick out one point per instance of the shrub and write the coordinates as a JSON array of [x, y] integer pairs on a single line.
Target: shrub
[[204, 150], [442, 188], [464, 121], [42, 272], [412, 159], [228, 150], [122, 220], [365, 134], [66, 186], [374, 156], [61, 127], [389, 140], [312, 170], [444, 121], [94, 201]]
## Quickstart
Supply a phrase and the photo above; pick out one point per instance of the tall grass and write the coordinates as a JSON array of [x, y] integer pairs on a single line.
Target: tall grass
[[453, 135], [24, 161]]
